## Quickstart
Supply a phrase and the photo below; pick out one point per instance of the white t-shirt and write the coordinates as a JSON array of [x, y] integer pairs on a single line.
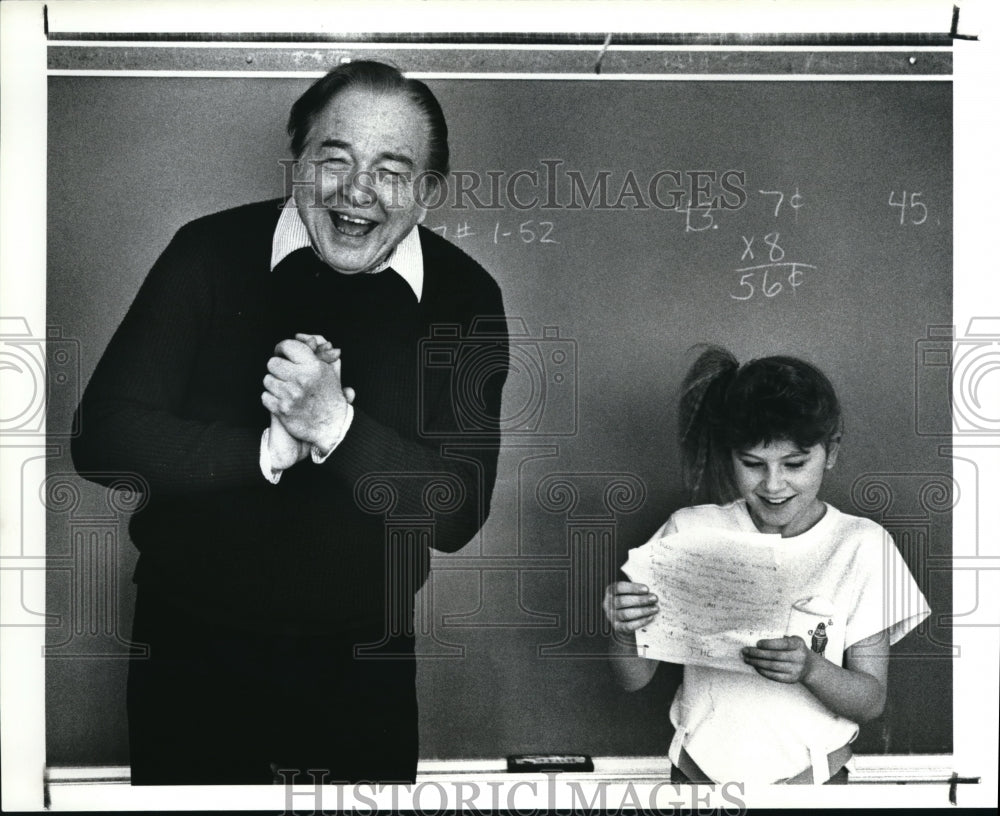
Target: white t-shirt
[[744, 727]]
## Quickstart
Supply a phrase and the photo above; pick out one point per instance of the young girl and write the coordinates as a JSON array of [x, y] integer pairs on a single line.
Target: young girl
[[768, 432]]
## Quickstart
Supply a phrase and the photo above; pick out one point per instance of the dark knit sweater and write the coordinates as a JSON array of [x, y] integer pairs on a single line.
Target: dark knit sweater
[[176, 401]]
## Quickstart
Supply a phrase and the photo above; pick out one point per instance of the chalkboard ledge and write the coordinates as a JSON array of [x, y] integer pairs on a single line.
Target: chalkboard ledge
[[75, 786]]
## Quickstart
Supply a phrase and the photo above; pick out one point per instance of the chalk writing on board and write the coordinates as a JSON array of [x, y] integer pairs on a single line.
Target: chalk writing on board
[[795, 201], [912, 211], [702, 219], [528, 232], [500, 232], [770, 280], [774, 251]]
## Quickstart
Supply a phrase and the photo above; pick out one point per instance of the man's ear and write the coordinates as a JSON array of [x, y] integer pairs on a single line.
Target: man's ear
[[832, 449], [428, 189], [300, 168]]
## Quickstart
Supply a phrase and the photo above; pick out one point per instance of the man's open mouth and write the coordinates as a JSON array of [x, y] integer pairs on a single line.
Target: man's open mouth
[[351, 225]]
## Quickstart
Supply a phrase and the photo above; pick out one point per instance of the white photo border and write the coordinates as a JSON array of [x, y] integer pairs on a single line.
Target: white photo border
[[22, 294]]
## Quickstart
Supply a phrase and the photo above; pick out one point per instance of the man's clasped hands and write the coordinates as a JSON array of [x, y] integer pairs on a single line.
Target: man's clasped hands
[[307, 401]]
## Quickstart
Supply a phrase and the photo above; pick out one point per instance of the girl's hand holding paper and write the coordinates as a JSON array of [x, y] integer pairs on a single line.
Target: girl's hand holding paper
[[629, 606]]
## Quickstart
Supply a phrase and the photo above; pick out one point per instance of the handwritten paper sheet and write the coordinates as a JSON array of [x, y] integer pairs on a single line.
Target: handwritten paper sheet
[[718, 591]]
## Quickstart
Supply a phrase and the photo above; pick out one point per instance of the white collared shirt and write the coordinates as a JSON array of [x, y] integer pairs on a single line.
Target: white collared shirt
[[406, 259]]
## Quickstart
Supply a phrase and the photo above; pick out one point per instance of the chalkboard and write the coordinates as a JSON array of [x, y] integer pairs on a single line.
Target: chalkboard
[[803, 217]]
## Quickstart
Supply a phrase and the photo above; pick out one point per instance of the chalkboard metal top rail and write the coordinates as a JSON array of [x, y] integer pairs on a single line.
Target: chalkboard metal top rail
[[846, 38], [262, 58]]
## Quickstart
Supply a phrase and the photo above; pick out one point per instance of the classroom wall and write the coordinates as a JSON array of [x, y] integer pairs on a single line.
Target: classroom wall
[[848, 181]]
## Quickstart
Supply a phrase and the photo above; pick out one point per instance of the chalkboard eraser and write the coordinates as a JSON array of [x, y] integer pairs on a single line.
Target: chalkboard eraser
[[538, 763]]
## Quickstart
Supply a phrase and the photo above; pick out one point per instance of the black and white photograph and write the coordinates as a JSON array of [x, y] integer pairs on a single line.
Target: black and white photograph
[[413, 406]]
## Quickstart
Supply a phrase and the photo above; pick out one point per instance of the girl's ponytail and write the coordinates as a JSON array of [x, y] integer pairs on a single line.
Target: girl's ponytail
[[704, 456]]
